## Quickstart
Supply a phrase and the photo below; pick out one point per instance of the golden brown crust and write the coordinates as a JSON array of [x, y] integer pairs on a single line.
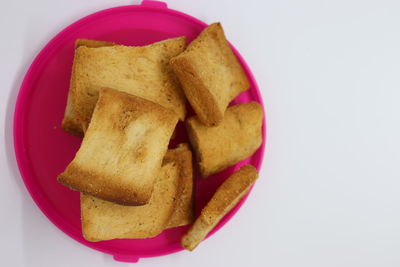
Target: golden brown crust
[[92, 43], [184, 206], [102, 188], [70, 123], [210, 74], [235, 139], [122, 151], [103, 220], [142, 71], [200, 97], [232, 190]]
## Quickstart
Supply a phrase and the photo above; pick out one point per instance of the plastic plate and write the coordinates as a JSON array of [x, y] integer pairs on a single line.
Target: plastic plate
[[43, 149]]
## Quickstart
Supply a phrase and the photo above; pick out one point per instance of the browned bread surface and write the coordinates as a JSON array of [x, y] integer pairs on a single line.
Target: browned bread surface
[[92, 43], [104, 220], [70, 123], [235, 139], [122, 151], [225, 198], [141, 71], [184, 207], [210, 74]]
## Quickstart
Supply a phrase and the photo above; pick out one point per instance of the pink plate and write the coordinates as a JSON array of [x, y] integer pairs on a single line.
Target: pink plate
[[43, 149]]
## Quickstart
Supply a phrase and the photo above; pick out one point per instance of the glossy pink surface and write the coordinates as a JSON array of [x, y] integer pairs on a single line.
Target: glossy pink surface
[[43, 149]]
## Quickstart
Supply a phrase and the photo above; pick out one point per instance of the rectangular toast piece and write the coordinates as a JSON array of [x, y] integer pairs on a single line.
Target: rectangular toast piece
[[123, 148], [69, 122], [184, 207], [104, 220], [235, 139], [141, 71], [210, 74], [232, 190]]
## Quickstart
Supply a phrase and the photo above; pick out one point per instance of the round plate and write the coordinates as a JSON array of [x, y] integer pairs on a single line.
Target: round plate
[[43, 149]]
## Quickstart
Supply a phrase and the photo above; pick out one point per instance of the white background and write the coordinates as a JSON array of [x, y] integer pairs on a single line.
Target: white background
[[329, 192]]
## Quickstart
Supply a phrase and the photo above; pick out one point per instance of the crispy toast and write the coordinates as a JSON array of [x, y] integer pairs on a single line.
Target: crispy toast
[[184, 207], [69, 122], [122, 151], [104, 220], [235, 139], [232, 190], [141, 71], [210, 74]]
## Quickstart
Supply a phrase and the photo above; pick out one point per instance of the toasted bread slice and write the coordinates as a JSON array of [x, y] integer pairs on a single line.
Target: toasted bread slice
[[104, 220], [184, 208], [122, 151], [210, 74], [225, 198], [140, 71], [70, 123], [235, 139]]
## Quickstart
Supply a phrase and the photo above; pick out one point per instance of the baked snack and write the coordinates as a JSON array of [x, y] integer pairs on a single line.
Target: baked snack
[[210, 74], [122, 151], [170, 205], [184, 206], [235, 139], [225, 198], [142, 71], [104, 220], [69, 122]]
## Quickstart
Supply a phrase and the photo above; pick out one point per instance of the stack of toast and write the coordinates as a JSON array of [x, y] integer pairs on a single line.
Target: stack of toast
[[125, 101]]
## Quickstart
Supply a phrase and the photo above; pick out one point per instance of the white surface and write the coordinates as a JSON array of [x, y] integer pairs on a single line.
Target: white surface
[[329, 188]]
